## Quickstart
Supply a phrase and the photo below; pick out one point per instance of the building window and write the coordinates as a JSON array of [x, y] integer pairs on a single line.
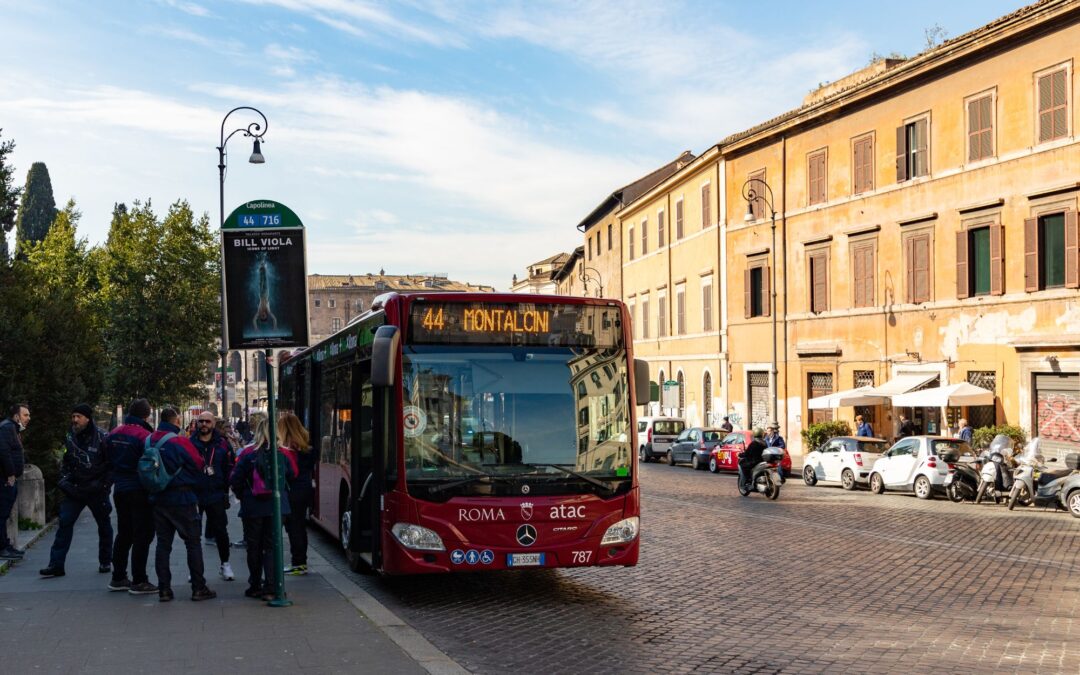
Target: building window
[[645, 317], [590, 247], [757, 207], [318, 302], [862, 164], [863, 263], [644, 236], [1050, 251], [331, 303], [980, 260], [706, 304], [706, 399], [918, 259], [335, 324], [980, 134], [661, 315], [680, 310], [1052, 96], [979, 416], [609, 236], [819, 384], [630, 239], [817, 268], [757, 384], [756, 290], [678, 219], [913, 149], [815, 172], [660, 227], [706, 206], [865, 378]]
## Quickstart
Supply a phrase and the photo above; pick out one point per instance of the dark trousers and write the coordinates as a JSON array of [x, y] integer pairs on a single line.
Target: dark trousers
[[169, 521], [296, 524], [217, 527], [134, 533], [70, 509], [8, 496], [259, 539]]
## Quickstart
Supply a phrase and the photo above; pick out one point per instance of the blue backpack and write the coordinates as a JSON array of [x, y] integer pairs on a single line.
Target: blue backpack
[[152, 472]]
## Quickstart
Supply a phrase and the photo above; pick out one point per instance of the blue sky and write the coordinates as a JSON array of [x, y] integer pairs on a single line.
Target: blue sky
[[421, 136]]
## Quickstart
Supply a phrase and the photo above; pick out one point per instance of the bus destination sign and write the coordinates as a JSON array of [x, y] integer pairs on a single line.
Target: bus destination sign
[[514, 324]]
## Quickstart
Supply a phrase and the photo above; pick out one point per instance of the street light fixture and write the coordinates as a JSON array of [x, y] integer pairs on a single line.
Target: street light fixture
[[753, 190], [252, 130], [590, 274]]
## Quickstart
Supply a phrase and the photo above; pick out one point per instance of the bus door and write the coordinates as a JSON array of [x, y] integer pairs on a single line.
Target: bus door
[[367, 471]]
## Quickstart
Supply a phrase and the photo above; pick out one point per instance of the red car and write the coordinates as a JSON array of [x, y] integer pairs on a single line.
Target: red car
[[725, 457]]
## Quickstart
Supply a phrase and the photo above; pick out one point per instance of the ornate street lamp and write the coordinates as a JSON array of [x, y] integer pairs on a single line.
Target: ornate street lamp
[[752, 190], [591, 275]]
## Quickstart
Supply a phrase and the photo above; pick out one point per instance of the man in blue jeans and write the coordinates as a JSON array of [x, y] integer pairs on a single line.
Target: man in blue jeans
[[84, 481], [11, 469]]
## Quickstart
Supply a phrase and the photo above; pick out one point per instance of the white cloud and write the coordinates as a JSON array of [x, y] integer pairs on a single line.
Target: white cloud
[[192, 8]]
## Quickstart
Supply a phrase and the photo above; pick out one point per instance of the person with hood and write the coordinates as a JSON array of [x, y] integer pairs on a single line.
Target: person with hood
[[12, 461], [213, 489], [175, 507], [134, 515], [84, 482], [257, 509]]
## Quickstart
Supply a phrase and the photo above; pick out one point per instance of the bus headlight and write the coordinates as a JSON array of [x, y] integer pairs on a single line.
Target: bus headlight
[[417, 538], [624, 531]]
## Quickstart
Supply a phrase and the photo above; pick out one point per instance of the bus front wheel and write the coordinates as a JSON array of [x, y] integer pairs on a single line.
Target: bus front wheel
[[345, 530]]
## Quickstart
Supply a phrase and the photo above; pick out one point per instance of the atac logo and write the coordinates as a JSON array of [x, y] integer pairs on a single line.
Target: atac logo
[[526, 510]]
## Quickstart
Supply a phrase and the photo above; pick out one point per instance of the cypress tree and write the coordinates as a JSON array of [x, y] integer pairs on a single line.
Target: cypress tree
[[38, 209], [9, 197]]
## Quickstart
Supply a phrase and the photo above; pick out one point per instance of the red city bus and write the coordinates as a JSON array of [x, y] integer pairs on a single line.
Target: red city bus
[[475, 431]]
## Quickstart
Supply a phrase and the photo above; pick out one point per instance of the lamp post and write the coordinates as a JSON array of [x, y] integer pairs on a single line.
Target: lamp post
[[587, 277], [252, 130], [752, 190]]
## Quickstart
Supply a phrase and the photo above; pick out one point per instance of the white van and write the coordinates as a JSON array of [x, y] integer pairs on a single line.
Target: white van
[[656, 434]]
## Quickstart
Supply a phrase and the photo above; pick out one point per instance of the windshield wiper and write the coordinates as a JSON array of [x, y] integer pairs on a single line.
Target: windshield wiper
[[575, 474]]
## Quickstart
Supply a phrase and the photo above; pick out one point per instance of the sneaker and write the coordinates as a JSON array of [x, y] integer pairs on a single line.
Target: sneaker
[[296, 570], [146, 588], [52, 571], [11, 553], [226, 572], [238, 544], [166, 596], [256, 593], [203, 594], [104, 569], [120, 584]]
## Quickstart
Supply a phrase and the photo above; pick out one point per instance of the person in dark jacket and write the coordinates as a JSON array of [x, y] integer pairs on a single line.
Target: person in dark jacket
[[295, 438], [751, 456], [175, 507], [134, 514], [907, 427], [773, 439], [12, 460], [212, 493], [84, 482], [257, 510]]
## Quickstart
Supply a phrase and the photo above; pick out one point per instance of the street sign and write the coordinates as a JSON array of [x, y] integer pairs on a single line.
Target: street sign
[[265, 272]]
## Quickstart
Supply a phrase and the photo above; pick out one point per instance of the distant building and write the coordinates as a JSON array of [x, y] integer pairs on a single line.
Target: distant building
[[540, 276]]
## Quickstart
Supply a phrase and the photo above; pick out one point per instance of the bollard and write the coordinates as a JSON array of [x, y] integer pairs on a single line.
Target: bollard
[[31, 504]]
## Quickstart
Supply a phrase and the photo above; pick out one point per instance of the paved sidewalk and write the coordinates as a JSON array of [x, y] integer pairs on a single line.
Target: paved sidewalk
[[74, 625]]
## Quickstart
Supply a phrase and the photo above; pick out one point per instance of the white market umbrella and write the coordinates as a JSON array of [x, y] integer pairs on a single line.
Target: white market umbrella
[[848, 397], [960, 394]]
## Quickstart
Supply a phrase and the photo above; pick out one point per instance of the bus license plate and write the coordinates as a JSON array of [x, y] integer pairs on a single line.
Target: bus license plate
[[525, 560]]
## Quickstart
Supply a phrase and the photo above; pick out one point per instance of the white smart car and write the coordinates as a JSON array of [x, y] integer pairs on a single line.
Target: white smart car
[[917, 463], [845, 459]]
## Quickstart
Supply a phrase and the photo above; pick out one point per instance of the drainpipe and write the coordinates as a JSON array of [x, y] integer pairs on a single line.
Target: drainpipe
[[783, 219]]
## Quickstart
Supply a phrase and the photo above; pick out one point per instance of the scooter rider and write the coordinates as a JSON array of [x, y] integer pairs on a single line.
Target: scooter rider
[[751, 456]]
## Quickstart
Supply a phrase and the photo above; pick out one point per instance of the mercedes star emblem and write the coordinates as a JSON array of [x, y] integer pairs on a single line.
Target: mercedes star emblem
[[526, 535], [524, 489]]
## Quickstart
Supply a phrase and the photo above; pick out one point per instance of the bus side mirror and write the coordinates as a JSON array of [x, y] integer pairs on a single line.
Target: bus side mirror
[[641, 382], [384, 356]]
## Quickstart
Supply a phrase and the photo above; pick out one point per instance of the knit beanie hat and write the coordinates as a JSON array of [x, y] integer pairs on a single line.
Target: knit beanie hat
[[85, 410]]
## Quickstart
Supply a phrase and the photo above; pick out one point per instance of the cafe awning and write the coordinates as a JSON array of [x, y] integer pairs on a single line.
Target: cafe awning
[[950, 395], [857, 396], [901, 384]]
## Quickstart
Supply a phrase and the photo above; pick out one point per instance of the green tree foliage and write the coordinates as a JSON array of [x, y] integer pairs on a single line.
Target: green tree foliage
[[51, 351], [160, 282], [9, 197], [38, 208], [815, 435]]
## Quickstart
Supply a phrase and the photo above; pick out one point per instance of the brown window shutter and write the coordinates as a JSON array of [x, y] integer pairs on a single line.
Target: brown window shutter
[[986, 146], [869, 272], [747, 295], [821, 283], [856, 163], [922, 144], [1031, 254], [901, 154], [678, 220], [1061, 105], [766, 308], [706, 211], [909, 254], [922, 268], [973, 130], [962, 279], [997, 260], [1072, 273]]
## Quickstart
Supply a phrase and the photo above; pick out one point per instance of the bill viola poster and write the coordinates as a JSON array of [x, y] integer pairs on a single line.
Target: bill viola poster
[[265, 288]]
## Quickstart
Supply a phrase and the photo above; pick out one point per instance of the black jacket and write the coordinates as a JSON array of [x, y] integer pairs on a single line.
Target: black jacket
[[84, 472], [12, 458], [751, 456]]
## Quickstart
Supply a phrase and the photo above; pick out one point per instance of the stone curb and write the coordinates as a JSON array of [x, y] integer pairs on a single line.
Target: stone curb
[[5, 565], [404, 636]]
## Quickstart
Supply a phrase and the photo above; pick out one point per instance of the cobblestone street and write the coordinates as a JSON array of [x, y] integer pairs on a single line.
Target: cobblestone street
[[821, 580]]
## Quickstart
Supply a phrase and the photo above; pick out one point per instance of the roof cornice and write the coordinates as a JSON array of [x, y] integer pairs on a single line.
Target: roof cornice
[[705, 158]]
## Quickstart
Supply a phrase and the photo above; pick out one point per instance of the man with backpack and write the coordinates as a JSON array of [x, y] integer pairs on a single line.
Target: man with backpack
[[134, 515], [171, 470], [84, 483]]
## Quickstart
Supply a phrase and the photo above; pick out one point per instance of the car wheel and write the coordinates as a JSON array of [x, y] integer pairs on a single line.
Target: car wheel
[[643, 456], [847, 479], [671, 457], [694, 463], [713, 465], [808, 476], [953, 492], [1073, 501], [923, 489], [877, 485]]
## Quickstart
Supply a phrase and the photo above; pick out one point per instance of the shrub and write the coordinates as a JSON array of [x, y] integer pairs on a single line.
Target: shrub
[[27, 524], [814, 435], [982, 436]]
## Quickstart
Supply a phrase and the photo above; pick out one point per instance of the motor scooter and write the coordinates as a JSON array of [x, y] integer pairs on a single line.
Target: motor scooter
[[764, 477], [963, 481], [996, 475], [1037, 483]]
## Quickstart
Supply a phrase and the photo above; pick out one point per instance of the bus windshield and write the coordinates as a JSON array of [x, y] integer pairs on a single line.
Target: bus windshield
[[500, 413]]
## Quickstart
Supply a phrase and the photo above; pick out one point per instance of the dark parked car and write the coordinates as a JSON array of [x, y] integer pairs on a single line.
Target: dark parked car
[[694, 445]]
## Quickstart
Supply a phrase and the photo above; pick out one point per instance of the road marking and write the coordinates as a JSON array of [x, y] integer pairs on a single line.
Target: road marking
[[916, 541]]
